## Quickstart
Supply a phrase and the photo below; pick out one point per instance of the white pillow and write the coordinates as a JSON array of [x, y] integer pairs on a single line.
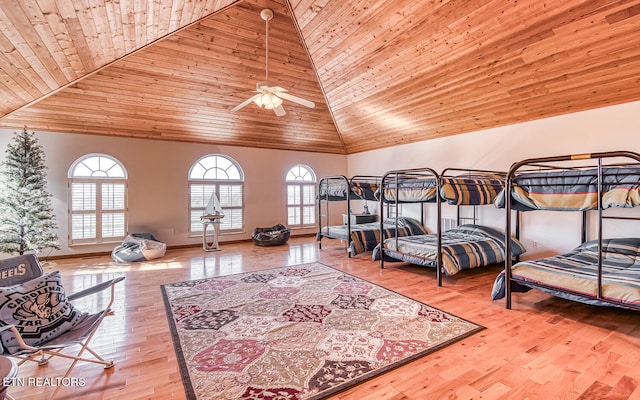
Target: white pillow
[[39, 309]]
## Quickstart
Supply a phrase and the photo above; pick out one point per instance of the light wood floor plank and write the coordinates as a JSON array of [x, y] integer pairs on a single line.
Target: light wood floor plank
[[545, 348]]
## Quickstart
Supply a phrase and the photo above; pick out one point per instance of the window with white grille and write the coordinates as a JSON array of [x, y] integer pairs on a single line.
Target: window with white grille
[[97, 200], [220, 175], [301, 197]]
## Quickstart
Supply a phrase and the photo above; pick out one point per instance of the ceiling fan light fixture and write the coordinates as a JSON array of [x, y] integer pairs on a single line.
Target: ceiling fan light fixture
[[267, 96], [268, 101]]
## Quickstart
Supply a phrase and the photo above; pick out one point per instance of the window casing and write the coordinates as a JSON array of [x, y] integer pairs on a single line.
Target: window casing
[[97, 200], [301, 197], [223, 176]]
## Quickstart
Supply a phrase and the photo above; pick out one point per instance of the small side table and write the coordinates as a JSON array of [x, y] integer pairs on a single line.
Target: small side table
[[210, 232], [359, 218]]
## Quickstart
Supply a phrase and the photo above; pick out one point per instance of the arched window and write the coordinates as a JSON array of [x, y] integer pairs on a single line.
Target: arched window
[[97, 200], [301, 195], [220, 175]]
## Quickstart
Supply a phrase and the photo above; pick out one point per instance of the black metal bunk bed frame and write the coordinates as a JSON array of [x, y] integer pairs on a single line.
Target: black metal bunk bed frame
[[426, 173], [348, 183], [536, 162], [396, 177], [446, 173]]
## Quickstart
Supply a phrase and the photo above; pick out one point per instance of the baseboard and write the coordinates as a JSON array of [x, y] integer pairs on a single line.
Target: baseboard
[[99, 254]]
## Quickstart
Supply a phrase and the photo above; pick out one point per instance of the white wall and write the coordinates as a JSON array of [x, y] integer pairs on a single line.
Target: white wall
[[158, 191], [605, 129]]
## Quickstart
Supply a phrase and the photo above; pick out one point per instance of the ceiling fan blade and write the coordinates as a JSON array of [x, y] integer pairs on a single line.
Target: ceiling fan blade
[[279, 111], [246, 102], [296, 99]]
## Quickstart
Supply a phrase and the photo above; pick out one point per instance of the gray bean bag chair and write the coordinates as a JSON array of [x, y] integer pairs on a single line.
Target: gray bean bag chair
[[139, 247], [271, 236]]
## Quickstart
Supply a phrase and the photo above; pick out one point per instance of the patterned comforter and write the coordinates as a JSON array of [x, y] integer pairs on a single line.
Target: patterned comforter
[[577, 272], [464, 247]]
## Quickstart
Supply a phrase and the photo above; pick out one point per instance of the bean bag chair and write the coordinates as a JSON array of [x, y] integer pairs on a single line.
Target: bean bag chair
[[271, 236], [139, 247]]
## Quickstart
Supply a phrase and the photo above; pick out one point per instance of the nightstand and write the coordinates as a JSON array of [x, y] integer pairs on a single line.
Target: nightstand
[[359, 218]]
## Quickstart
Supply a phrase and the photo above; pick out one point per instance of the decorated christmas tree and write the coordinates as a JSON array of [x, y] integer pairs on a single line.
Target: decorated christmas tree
[[27, 222]]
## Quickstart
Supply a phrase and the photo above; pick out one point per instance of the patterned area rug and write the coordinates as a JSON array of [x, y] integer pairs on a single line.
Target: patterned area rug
[[299, 332]]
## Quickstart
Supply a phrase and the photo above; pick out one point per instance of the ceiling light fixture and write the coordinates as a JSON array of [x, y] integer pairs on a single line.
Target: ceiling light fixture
[[268, 101]]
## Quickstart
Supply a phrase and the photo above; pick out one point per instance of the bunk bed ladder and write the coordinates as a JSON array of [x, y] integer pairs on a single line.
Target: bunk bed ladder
[[439, 266], [320, 215], [460, 218], [599, 228]]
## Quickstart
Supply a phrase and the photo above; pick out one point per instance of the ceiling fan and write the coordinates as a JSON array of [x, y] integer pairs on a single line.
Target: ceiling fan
[[268, 96]]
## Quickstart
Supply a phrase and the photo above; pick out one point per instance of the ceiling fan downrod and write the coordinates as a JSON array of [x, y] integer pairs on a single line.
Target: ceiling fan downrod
[[267, 15]]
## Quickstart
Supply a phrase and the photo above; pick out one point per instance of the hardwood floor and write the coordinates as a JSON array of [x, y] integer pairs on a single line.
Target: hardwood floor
[[544, 348]]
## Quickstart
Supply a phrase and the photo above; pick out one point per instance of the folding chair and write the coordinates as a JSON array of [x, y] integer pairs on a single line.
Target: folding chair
[[38, 321]]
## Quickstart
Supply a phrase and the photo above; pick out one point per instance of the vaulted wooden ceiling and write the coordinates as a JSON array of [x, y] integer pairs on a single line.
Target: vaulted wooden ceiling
[[380, 72]]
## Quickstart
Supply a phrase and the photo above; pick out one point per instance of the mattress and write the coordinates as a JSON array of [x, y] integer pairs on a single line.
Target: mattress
[[413, 190], [471, 189], [365, 190], [365, 237], [464, 247], [574, 190], [577, 272], [334, 189]]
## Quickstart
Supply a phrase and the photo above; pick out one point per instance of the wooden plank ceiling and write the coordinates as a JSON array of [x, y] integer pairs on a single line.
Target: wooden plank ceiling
[[380, 72]]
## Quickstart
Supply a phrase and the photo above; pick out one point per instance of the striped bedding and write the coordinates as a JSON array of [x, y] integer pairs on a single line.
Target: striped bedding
[[577, 272], [411, 190], [365, 190], [574, 190], [471, 189], [468, 189], [365, 237], [363, 240], [464, 247], [338, 190], [335, 191]]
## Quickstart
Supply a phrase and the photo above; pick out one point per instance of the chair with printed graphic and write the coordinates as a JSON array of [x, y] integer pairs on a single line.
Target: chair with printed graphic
[[38, 320]]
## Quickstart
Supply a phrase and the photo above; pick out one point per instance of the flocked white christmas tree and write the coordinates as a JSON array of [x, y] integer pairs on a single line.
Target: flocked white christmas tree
[[27, 222]]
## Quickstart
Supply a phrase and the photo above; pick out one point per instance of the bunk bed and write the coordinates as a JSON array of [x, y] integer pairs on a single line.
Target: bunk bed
[[465, 246], [601, 271], [360, 237]]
